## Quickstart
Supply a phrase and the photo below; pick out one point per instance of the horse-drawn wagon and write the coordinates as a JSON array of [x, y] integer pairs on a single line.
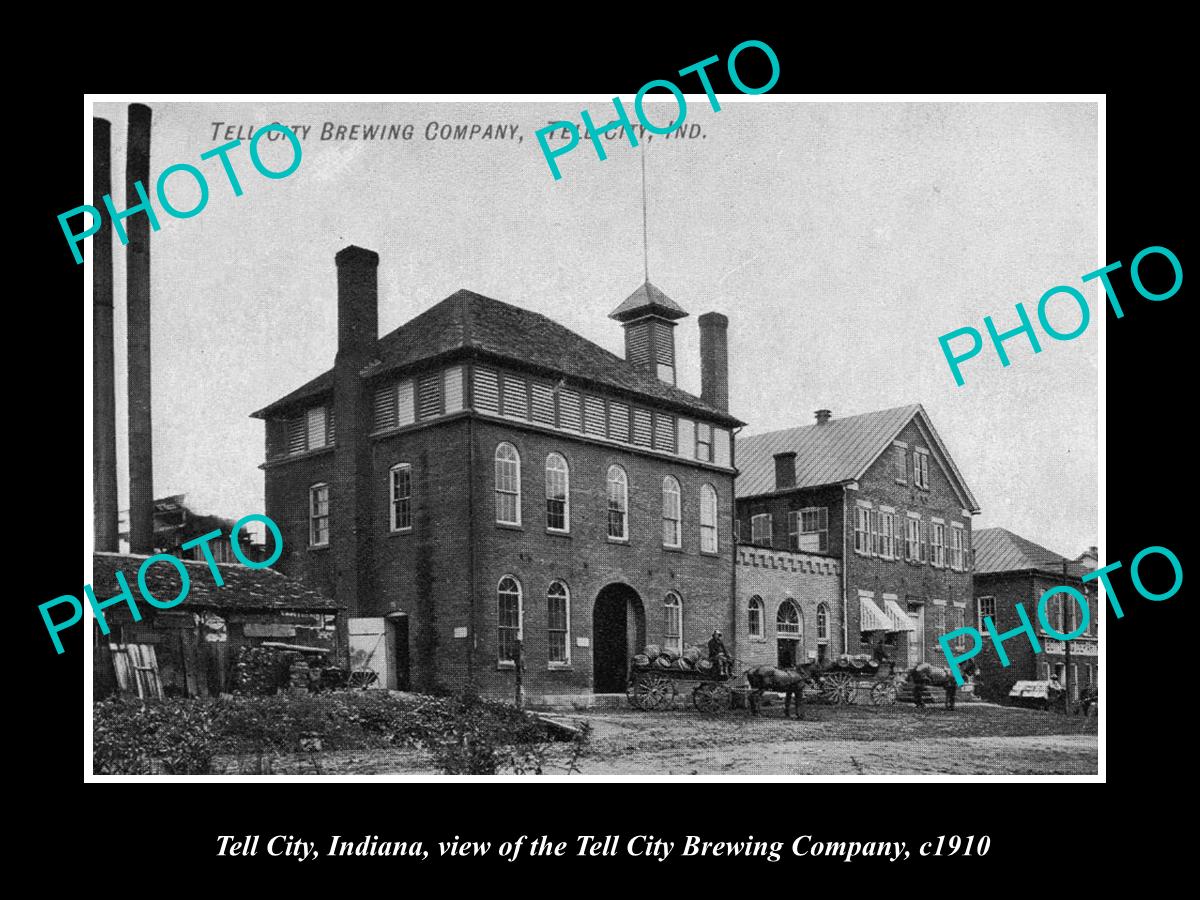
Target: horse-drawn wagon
[[841, 680], [656, 675]]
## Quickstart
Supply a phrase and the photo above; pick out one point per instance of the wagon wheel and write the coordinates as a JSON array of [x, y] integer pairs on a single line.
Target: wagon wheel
[[660, 691], [884, 693], [839, 687], [636, 693]]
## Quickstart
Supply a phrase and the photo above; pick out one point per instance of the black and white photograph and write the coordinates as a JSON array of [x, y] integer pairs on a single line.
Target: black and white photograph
[[744, 447]]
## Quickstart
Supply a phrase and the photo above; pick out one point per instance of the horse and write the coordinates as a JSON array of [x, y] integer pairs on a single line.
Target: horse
[[924, 674], [789, 682]]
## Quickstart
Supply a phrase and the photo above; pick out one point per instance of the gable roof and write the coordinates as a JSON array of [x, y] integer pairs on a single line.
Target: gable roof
[[466, 322], [839, 451], [998, 550], [244, 588]]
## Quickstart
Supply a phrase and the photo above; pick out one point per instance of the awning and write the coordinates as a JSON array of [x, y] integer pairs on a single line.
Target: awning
[[900, 619], [871, 617]]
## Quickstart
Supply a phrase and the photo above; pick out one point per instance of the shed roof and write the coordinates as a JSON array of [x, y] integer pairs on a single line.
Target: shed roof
[[244, 588], [999, 550]]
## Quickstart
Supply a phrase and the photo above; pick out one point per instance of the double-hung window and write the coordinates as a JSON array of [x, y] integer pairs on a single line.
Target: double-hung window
[[808, 530], [318, 515], [401, 497], [937, 546], [708, 519], [508, 485], [672, 528], [558, 493], [921, 468], [618, 504]]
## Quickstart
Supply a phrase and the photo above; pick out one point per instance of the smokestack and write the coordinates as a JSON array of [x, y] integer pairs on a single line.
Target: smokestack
[[785, 470], [350, 501], [823, 416], [714, 360], [137, 265], [104, 388]]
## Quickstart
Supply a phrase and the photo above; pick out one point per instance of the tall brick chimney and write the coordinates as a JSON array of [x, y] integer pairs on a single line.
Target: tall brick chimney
[[823, 416], [350, 491], [137, 291], [714, 360], [104, 379], [785, 470]]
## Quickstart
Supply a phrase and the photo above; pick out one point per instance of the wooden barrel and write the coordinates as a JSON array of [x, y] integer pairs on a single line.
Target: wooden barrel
[[683, 664], [692, 654], [662, 662], [668, 653], [704, 665], [652, 651], [641, 661]]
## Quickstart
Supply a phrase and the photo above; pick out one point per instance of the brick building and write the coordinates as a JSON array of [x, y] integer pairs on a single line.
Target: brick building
[[1010, 569], [867, 521], [482, 475]]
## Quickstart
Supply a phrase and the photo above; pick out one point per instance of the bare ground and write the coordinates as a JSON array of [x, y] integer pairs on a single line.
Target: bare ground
[[975, 739]]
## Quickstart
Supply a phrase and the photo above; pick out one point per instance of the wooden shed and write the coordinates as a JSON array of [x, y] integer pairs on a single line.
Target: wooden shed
[[188, 650]]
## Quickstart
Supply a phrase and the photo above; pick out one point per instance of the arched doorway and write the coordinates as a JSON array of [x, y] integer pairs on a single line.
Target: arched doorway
[[618, 632]]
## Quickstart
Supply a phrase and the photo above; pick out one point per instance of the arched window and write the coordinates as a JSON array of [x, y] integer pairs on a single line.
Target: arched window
[[754, 617], [822, 622], [558, 493], [671, 514], [673, 622], [788, 634], [508, 484], [787, 620], [708, 519], [558, 623], [508, 617], [618, 504], [401, 502]]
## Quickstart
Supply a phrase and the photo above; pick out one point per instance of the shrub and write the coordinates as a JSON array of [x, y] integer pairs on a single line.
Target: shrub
[[464, 734]]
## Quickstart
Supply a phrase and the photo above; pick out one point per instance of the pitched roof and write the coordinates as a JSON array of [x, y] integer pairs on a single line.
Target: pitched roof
[[646, 300], [469, 322], [841, 450], [244, 588], [998, 550]]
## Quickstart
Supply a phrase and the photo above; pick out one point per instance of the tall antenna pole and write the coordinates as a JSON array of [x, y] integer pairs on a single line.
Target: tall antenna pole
[[645, 231]]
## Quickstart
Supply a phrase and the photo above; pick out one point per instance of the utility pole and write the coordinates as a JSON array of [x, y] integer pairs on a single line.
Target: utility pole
[[1067, 655]]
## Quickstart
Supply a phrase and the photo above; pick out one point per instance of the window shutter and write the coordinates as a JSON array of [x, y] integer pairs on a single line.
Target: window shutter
[[642, 428], [569, 415], [385, 407], [405, 414], [330, 422], [429, 396], [516, 398], [618, 421], [593, 416], [297, 441], [486, 398], [543, 404], [897, 551], [924, 530], [316, 427], [664, 433], [687, 438], [454, 389]]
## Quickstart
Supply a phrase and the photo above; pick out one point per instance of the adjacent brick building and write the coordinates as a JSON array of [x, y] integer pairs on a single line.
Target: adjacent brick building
[[878, 499], [1010, 569], [482, 476]]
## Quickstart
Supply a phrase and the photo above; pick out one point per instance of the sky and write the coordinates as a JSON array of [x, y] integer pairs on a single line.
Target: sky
[[841, 239]]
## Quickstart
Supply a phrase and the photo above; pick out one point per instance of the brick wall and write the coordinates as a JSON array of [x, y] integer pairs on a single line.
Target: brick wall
[[586, 560], [776, 576], [1009, 589], [913, 584]]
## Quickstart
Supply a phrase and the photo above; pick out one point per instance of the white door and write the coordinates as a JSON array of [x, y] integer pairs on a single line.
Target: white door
[[916, 637]]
